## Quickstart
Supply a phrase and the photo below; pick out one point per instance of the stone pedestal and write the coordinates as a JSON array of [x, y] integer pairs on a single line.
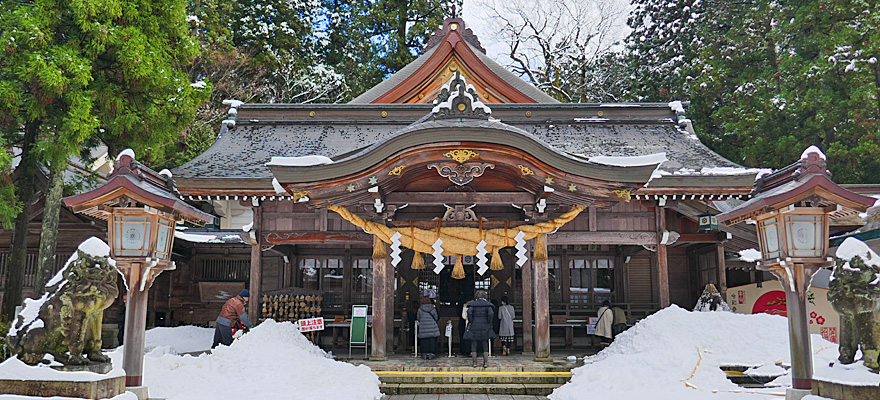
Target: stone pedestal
[[98, 368], [140, 391], [98, 389], [840, 391], [796, 394]]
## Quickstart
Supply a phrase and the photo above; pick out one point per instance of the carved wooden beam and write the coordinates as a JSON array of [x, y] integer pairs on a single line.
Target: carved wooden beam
[[610, 238]]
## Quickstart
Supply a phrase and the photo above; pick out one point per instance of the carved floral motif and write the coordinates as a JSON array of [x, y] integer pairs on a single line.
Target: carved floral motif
[[460, 155], [461, 174], [525, 170]]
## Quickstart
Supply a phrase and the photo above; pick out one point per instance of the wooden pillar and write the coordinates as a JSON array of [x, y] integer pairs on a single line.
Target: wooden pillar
[[389, 305], [662, 261], [527, 307], [542, 311], [722, 271], [135, 328], [380, 276], [256, 268]]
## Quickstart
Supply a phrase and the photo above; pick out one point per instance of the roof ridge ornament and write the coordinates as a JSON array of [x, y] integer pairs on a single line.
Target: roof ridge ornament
[[454, 24], [458, 99]]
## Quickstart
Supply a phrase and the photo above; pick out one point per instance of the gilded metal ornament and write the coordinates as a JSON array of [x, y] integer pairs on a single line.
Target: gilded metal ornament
[[397, 170], [572, 188], [525, 170], [623, 194], [460, 155], [374, 180], [299, 194], [351, 188], [548, 180]]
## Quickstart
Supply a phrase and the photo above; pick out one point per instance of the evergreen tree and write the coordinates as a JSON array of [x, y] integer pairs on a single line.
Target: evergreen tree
[[106, 69], [666, 37], [401, 28]]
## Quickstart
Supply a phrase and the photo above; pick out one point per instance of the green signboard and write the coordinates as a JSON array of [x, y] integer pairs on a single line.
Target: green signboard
[[358, 335], [358, 324]]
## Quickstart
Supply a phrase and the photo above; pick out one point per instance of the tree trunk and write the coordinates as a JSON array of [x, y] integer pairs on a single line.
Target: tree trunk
[[24, 184], [49, 231]]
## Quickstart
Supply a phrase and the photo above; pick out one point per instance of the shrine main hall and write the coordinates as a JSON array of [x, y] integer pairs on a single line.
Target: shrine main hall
[[450, 176]]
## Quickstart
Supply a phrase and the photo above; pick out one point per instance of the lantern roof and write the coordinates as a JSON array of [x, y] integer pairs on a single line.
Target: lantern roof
[[805, 181], [133, 182]]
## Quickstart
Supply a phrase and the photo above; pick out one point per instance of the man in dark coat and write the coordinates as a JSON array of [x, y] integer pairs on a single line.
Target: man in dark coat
[[479, 330]]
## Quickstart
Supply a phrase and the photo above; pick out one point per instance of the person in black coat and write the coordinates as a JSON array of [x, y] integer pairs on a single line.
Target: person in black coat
[[479, 330]]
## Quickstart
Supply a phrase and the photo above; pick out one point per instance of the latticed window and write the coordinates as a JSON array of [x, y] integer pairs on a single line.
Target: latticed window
[[591, 280], [321, 274], [225, 270]]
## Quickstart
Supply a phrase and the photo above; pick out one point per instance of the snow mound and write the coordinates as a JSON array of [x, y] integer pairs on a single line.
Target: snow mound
[[677, 354], [302, 161], [180, 339], [273, 361]]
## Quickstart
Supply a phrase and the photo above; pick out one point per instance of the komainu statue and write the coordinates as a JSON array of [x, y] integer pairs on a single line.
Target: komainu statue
[[66, 321], [855, 295]]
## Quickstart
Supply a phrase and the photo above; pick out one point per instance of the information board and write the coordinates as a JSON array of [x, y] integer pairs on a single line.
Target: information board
[[311, 324], [358, 325]]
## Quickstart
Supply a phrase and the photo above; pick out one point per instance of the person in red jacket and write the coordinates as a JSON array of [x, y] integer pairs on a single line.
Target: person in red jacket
[[231, 313]]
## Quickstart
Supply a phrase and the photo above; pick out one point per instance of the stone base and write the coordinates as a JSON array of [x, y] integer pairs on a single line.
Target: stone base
[[141, 392], [845, 392], [100, 389], [796, 394], [98, 368]]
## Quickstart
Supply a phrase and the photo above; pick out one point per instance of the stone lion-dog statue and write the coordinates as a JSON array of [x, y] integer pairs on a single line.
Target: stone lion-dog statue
[[68, 323], [855, 295]]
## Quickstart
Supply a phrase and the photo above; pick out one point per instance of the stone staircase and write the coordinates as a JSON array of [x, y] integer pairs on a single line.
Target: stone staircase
[[510, 380]]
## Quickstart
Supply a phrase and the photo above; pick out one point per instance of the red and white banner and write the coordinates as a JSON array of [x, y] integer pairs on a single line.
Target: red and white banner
[[311, 324]]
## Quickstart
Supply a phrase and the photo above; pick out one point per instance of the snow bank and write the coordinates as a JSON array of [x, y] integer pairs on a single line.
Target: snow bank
[[180, 339], [677, 354], [303, 161], [124, 396], [273, 361], [15, 369]]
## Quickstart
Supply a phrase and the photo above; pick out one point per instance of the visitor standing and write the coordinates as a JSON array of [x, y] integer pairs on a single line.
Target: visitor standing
[[231, 313], [618, 323], [505, 328], [429, 331], [606, 319], [479, 326]]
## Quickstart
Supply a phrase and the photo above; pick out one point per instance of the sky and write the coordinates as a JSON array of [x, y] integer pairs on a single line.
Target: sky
[[480, 16]]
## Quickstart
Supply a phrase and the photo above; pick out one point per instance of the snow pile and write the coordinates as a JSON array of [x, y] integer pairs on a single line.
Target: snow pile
[[126, 152], [676, 106], [180, 339], [812, 149], [273, 361], [14, 369], [677, 354], [303, 161], [277, 186], [851, 248], [749, 255], [630, 161]]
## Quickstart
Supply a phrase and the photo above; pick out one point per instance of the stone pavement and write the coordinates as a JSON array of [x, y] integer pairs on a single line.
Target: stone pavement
[[514, 362], [461, 397]]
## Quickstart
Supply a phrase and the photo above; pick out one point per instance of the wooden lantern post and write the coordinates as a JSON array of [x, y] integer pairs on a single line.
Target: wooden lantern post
[[791, 209], [142, 210]]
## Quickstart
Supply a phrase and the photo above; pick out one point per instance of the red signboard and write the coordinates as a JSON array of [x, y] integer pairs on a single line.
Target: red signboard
[[311, 324]]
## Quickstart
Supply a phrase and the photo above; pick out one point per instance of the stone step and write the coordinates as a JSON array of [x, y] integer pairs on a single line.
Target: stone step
[[558, 378], [466, 388]]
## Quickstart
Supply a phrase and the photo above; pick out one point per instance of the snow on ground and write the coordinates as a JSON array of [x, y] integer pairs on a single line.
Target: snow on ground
[[677, 354], [179, 340], [124, 396], [273, 361]]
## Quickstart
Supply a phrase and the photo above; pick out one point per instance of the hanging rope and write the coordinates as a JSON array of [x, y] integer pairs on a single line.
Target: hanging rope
[[457, 240], [418, 261], [458, 270], [540, 249], [379, 252]]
